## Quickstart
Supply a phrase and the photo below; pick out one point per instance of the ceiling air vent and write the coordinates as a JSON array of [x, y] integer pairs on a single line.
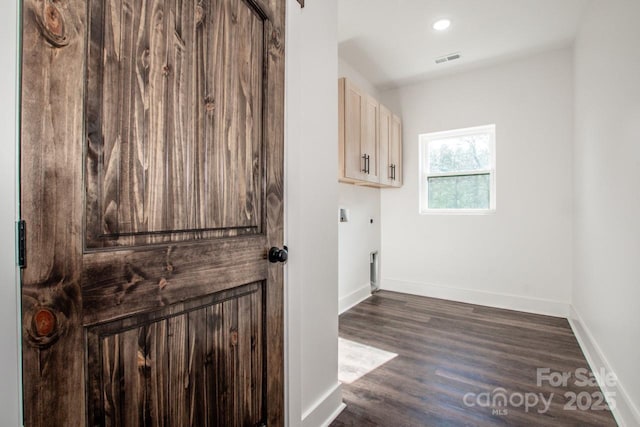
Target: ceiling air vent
[[447, 58]]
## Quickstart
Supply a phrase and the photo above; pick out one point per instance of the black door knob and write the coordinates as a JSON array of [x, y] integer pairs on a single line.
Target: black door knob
[[278, 255]]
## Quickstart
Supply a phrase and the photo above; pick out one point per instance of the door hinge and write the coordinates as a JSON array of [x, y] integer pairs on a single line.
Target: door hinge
[[21, 233]]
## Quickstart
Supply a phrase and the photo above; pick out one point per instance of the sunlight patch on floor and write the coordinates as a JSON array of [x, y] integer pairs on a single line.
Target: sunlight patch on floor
[[356, 360]]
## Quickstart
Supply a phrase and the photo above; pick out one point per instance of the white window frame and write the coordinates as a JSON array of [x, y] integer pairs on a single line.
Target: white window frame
[[424, 175]]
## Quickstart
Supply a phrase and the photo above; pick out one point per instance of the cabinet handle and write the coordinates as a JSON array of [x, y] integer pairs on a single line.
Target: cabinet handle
[[366, 159], [368, 164]]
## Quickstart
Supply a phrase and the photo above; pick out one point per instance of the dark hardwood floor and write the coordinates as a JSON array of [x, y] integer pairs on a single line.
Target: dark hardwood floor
[[453, 358]]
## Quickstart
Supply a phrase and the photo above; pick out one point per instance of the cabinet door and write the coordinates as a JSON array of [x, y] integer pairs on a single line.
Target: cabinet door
[[370, 139], [352, 107], [385, 141], [395, 151]]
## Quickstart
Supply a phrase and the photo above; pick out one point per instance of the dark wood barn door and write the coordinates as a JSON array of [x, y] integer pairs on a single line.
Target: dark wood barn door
[[151, 188]]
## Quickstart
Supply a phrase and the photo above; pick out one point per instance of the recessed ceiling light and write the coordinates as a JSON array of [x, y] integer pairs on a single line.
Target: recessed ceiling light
[[441, 25]]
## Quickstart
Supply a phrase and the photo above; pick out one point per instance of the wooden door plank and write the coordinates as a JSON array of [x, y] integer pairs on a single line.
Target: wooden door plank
[[178, 343], [182, 209], [53, 47], [109, 412], [124, 362], [213, 380], [199, 398], [111, 54], [198, 112], [222, 42], [249, 60], [274, 135], [132, 364], [119, 202], [156, 373], [257, 354], [169, 311], [233, 111], [135, 192], [123, 283], [231, 413], [245, 404], [154, 210]]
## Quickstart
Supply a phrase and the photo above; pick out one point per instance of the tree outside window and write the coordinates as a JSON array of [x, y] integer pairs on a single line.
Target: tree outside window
[[457, 171]]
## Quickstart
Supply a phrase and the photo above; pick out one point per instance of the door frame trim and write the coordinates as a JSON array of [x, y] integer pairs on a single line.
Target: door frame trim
[[292, 295], [11, 331]]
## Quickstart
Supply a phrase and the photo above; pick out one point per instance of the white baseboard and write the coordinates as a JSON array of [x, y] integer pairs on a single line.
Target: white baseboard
[[471, 296], [354, 298], [325, 409], [625, 411]]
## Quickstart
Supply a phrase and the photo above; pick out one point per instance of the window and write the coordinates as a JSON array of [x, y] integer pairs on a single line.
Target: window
[[458, 171]]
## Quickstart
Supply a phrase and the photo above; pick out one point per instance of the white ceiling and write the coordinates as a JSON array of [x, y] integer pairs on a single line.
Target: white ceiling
[[392, 42]]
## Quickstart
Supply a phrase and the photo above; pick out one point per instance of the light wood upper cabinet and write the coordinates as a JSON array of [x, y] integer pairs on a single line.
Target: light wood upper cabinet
[[370, 145], [390, 148], [385, 142], [370, 139], [351, 107], [395, 152], [358, 126]]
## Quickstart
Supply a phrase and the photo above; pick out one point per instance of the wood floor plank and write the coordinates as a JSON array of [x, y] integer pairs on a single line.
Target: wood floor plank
[[449, 353]]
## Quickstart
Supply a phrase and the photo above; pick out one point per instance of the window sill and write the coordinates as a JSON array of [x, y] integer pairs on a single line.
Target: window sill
[[458, 212]]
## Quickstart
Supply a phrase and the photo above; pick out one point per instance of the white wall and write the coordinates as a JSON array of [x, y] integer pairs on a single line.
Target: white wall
[[607, 195], [519, 257], [358, 237], [10, 405], [314, 394], [345, 69]]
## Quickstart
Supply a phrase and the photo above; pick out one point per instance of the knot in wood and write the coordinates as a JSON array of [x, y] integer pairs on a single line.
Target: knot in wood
[[275, 39], [144, 58], [166, 70], [44, 322], [199, 14], [45, 326], [159, 21], [52, 25], [209, 104], [53, 20]]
